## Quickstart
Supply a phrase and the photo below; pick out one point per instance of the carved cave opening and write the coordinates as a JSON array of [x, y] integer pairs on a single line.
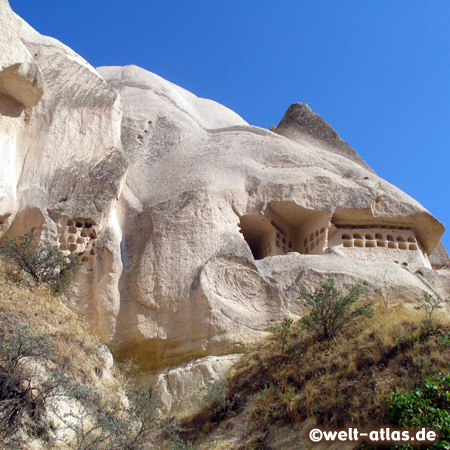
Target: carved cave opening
[[286, 227]]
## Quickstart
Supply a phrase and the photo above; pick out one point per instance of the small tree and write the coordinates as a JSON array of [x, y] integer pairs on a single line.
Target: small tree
[[330, 310], [429, 303], [45, 263]]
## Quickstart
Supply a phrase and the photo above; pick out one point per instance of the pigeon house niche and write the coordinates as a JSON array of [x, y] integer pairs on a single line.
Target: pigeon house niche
[[287, 227]]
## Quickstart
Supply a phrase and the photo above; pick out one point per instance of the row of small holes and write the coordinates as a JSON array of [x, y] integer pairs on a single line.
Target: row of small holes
[[371, 244], [362, 227], [312, 235], [319, 235], [283, 243], [378, 236]]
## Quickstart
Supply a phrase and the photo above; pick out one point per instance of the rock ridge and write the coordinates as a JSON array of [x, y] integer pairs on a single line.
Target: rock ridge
[[300, 122]]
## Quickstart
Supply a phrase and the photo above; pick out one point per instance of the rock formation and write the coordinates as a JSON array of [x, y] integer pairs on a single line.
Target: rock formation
[[196, 228]]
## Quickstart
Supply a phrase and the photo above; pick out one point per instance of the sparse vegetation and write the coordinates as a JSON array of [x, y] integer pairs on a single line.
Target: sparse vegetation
[[44, 263], [20, 398], [430, 303], [282, 331], [216, 398], [53, 388], [343, 380], [331, 311], [334, 367]]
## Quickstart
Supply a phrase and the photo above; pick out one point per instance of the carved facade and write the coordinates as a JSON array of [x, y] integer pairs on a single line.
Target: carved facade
[[285, 227]]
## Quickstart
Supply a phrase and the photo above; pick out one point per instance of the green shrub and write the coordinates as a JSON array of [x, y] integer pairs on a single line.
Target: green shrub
[[427, 406], [45, 263], [216, 397], [331, 311]]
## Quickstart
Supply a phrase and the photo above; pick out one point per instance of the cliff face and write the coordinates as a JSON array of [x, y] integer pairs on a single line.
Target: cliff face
[[196, 229]]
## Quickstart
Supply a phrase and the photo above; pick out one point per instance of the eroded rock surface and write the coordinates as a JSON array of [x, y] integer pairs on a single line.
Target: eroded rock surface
[[60, 138], [196, 228]]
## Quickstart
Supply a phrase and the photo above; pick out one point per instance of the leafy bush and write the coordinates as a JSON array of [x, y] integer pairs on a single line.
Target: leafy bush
[[427, 406], [331, 311], [45, 263]]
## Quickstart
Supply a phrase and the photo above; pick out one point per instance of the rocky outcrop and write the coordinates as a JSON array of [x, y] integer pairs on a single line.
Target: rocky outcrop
[[440, 258], [60, 144], [182, 390], [189, 284], [301, 125], [172, 202], [20, 76]]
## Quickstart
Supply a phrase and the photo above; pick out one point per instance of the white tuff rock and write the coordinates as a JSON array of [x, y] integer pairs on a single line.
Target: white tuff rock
[[196, 228]]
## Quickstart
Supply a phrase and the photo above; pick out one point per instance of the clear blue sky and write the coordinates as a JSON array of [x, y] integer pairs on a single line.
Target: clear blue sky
[[377, 71]]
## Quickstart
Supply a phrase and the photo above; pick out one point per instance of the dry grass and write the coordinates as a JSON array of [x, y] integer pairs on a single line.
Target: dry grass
[[75, 347], [75, 361], [341, 382]]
